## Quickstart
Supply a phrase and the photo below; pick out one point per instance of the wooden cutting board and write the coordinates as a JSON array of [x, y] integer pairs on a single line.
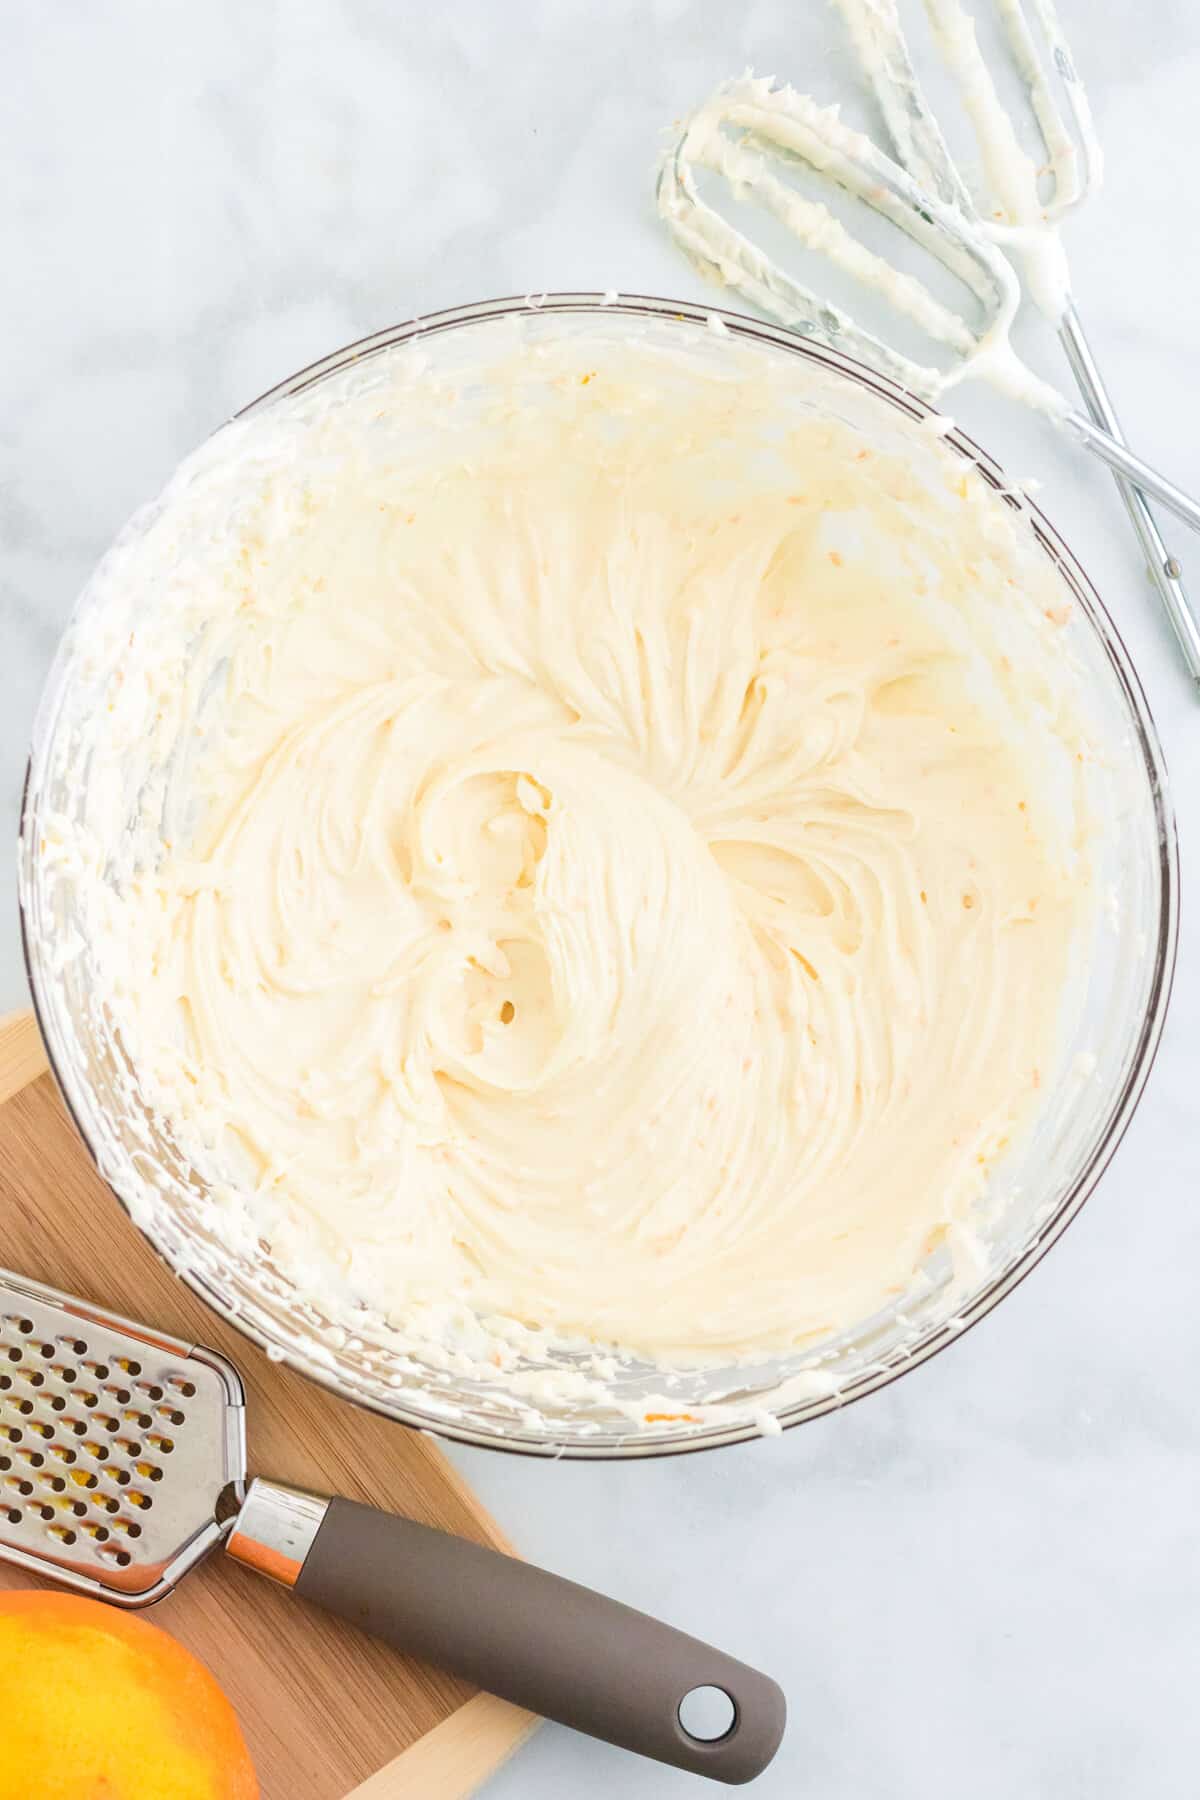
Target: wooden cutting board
[[327, 1712]]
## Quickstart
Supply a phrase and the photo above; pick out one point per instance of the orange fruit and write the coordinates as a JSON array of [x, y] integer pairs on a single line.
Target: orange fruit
[[98, 1704]]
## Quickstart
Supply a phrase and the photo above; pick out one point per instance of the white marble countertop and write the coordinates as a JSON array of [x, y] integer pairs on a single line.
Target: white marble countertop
[[985, 1579]]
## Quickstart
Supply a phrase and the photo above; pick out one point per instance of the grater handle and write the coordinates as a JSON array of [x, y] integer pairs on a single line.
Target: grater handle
[[533, 1638]]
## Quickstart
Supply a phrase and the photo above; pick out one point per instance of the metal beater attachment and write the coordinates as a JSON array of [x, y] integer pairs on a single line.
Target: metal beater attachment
[[1019, 201], [753, 134]]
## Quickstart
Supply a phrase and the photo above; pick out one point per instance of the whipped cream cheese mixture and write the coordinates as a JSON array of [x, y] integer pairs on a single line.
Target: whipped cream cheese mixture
[[595, 857]]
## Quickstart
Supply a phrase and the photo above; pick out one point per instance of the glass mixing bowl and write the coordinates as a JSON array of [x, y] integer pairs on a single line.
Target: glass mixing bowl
[[1115, 1020]]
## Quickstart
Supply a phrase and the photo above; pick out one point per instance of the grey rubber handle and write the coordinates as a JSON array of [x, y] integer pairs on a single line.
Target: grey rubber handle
[[537, 1640]]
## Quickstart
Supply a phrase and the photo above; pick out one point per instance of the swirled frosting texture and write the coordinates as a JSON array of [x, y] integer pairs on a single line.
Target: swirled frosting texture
[[616, 876]]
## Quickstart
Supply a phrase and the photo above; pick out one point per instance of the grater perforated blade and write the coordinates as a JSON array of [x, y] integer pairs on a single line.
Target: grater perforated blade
[[117, 1446], [123, 1463]]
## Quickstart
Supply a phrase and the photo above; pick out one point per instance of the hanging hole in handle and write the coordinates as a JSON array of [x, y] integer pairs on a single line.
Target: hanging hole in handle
[[707, 1714]]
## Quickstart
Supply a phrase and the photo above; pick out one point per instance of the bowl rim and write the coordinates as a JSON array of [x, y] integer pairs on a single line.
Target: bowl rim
[[637, 1444]]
